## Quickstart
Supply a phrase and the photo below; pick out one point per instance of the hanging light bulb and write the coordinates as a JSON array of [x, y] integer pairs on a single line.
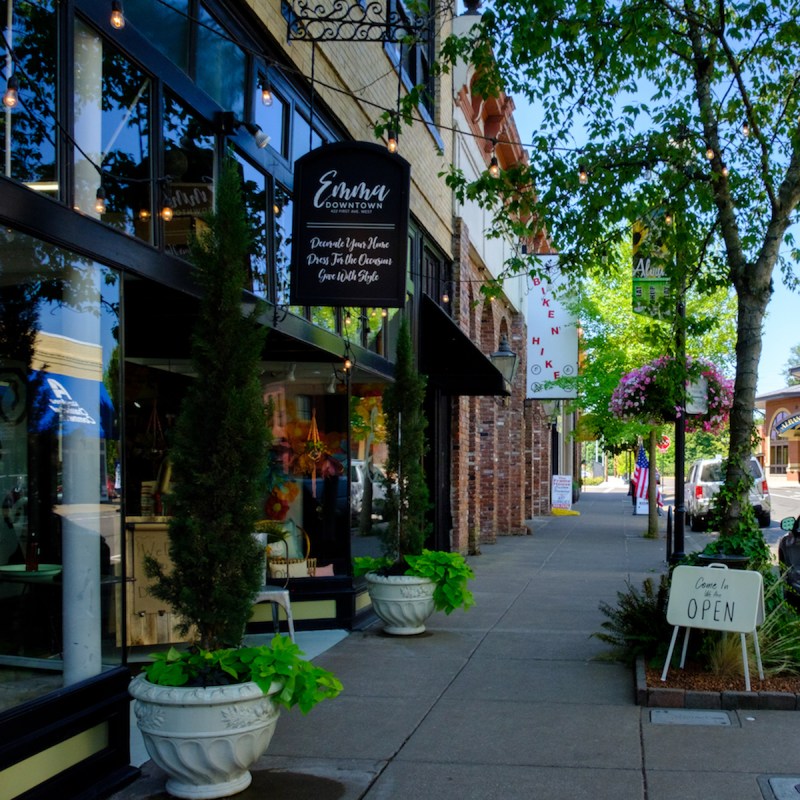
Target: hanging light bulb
[[391, 142], [117, 15], [144, 214], [583, 175], [348, 364], [266, 94], [100, 201], [494, 167], [445, 296], [724, 171], [668, 218], [11, 96], [347, 319], [384, 313], [167, 213], [710, 154], [745, 129]]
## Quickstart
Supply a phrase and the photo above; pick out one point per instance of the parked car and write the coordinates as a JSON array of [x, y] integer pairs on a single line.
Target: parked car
[[789, 559], [357, 474], [703, 481]]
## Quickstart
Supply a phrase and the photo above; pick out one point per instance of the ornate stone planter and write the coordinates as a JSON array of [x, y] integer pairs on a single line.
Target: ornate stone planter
[[205, 739], [403, 602]]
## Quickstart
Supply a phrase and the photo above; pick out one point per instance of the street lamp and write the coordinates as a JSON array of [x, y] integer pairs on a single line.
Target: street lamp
[[505, 359]]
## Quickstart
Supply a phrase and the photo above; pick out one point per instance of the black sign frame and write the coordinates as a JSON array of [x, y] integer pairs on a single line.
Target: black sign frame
[[350, 227]]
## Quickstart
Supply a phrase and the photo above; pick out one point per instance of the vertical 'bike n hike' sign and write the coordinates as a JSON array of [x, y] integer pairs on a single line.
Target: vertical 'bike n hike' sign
[[350, 231]]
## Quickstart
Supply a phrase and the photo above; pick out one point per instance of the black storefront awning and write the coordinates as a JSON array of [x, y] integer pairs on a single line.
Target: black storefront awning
[[451, 360]]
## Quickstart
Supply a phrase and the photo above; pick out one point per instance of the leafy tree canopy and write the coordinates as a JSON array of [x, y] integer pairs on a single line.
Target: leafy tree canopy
[[691, 108]]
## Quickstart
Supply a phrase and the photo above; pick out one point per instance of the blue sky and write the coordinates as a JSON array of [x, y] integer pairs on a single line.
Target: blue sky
[[781, 333]]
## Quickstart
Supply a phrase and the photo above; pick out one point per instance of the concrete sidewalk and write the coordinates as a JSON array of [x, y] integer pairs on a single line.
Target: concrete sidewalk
[[509, 699]]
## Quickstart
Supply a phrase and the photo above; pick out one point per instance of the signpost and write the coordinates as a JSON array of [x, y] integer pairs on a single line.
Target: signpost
[[717, 599]]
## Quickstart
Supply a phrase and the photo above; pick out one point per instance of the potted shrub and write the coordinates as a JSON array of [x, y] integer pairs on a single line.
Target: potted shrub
[[409, 582], [208, 713]]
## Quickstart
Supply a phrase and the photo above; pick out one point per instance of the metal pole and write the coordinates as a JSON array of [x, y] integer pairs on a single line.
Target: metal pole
[[680, 430]]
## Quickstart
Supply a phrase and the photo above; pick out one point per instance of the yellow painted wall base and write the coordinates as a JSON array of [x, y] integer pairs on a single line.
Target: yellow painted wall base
[[20, 778]]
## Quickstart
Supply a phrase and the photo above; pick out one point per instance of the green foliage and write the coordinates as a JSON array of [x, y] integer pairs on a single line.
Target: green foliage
[[637, 625], [407, 502], [450, 571], [602, 78], [220, 443], [301, 683]]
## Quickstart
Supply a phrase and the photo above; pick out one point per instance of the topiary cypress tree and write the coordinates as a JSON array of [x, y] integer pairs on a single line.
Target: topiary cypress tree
[[407, 504], [220, 442]]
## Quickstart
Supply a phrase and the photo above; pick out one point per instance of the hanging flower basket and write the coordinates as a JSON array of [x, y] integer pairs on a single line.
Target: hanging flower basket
[[653, 393]]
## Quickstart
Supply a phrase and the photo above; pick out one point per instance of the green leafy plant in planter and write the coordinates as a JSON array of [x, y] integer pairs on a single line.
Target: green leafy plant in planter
[[407, 501], [449, 571], [302, 683], [186, 701]]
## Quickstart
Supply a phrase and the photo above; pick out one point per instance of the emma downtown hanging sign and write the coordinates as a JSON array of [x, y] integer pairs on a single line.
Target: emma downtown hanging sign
[[350, 227]]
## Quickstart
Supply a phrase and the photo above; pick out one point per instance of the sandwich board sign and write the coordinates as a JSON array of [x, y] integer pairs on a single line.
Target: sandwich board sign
[[718, 599]]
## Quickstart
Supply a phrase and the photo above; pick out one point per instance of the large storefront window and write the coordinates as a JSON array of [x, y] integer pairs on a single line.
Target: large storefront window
[[60, 543], [112, 135], [28, 130]]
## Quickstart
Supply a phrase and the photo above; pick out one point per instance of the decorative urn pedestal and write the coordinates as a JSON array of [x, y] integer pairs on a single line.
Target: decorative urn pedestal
[[403, 602], [205, 739]]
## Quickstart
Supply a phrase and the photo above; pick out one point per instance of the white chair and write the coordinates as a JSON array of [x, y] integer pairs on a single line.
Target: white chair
[[278, 597]]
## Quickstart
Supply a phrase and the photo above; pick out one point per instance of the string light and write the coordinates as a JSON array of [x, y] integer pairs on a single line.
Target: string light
[[266, 94], [494, 167], [724, 171], [668, 218], [167, 213], [391, 142], [445, 296], [117, 15], [583, 175], [745, 129], [710, 154], [100, 201], [11, 96]]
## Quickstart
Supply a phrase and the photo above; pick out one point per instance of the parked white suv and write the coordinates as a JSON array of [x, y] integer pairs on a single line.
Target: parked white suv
[[703, 481]]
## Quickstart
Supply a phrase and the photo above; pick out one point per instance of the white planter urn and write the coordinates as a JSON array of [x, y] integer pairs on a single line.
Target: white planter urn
[[403, 602], [206, 740]]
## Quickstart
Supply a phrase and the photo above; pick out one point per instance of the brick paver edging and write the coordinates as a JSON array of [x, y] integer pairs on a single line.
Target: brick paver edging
[[656, 697]]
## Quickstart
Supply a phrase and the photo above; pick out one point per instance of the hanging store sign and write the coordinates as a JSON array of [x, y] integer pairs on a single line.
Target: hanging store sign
[[552, 334], [350, 233]]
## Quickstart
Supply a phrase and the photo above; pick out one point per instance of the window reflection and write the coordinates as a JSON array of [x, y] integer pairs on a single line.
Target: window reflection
[[272, 119], [60, 533], [27, 133], [303, 140], [221, 65], [254, 191], [189, 167], [112, 133], [166, 29], [282, 242]]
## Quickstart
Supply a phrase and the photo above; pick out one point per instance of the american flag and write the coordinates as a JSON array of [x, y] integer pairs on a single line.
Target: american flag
[[641, 474]]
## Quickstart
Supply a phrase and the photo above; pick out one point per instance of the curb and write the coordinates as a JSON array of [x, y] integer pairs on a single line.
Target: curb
[[657, 697]]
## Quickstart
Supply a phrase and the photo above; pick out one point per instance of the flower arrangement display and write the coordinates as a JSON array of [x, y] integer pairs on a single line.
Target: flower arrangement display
[[652, 393]]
